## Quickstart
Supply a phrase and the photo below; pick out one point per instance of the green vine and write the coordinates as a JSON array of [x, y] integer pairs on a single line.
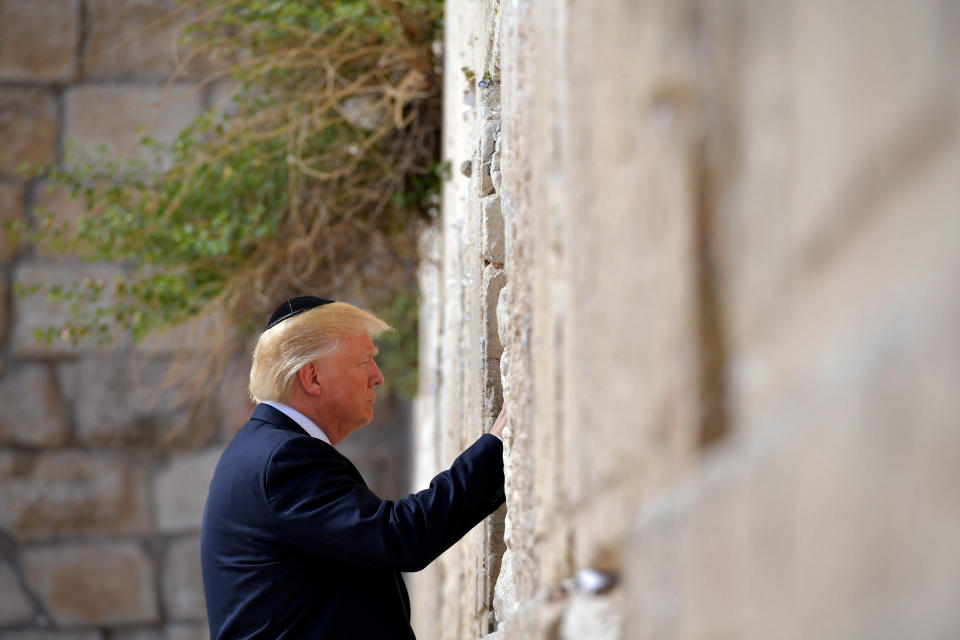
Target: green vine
[[316, 178]]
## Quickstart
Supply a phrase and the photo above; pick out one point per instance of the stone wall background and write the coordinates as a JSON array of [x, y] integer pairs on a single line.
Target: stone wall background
[[712, 250], [99, 510]]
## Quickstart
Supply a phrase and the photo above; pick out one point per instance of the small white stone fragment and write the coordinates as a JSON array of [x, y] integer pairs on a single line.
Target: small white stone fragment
[[594, 580]]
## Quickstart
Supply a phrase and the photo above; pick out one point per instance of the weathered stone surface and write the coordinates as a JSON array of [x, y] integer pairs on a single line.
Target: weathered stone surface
[[151, 633], [494, 280], [235, 405], [11, 210], [54, 204], [183, 581], [15, 605], [50, 635], [4, 314], [28, 128], [505, 591], [187, 632], [93, 583], [594, 617], [503, 314], [492, 388], [133, 37], [485, 181], [34, 413], [490, 100], [189, 336], [180, 490], [182, 631], [743, 378], [122, 401], [118, 117], [71, 493], [491, 242], [488, 565], [33, 312], [488, 139], [38, 40], [537, 618], [496, 173]]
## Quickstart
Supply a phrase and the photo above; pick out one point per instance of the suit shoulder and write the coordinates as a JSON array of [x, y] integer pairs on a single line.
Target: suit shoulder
[[303, 451], [252, 447]]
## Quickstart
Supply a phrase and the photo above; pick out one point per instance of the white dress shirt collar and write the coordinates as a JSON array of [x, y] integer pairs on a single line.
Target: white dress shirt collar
[[305, 423]]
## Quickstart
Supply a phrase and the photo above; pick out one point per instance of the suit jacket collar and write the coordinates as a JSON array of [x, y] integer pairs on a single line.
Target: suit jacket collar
[[266, 413]]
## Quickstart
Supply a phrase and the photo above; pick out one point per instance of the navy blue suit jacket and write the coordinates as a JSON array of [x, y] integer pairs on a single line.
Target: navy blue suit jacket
[[295, 546]]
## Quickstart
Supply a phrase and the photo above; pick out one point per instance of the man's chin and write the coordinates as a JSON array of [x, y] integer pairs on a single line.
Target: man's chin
[[368, 418]]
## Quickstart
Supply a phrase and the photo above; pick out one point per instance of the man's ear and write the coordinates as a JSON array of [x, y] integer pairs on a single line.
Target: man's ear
[[309, 378]]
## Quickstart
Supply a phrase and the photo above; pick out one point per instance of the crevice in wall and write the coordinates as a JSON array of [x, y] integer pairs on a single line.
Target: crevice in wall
[[80, 69], [10, 554], [712, 335]]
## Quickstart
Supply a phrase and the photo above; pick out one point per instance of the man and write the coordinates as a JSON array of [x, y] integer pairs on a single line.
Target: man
[[294, 544]]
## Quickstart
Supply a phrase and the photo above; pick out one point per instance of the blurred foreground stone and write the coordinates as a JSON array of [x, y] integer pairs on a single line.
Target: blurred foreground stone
[[731, 248]]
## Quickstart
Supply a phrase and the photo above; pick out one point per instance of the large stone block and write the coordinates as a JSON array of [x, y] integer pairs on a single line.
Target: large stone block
[[4, 312], [638, 182], [94, 584], [631, 339], [132, 37], [11, 210], [71, 493], [34, 312], [187, 632], [489, 559], [493, 282], [492, 390], [28, 128], [180, 631], [50, 635], [123, 401], [181, 490], [183, 581], [537, 618], [15, 606], [492, 240], [119, 117], [55, 207], [38, 40], [234, 401], [34, 413], [594, 617]]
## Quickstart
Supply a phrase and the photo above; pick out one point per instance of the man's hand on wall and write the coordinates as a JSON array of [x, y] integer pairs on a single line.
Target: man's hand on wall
[[500, 422]]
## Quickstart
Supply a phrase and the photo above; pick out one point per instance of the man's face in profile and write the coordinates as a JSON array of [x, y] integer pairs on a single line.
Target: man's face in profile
[[349, 379]]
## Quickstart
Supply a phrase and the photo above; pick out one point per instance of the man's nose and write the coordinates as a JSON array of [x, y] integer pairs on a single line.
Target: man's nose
[[377, 377]]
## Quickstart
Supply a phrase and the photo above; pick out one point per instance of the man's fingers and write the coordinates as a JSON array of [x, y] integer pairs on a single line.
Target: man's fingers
[[500, 422]]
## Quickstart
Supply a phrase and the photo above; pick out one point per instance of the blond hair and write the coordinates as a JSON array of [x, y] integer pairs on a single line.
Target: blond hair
[[286, 347]]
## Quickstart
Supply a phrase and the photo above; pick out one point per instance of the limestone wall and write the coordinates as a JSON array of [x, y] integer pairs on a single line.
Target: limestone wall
[[718, 245], [99, 524], [99, 510]]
